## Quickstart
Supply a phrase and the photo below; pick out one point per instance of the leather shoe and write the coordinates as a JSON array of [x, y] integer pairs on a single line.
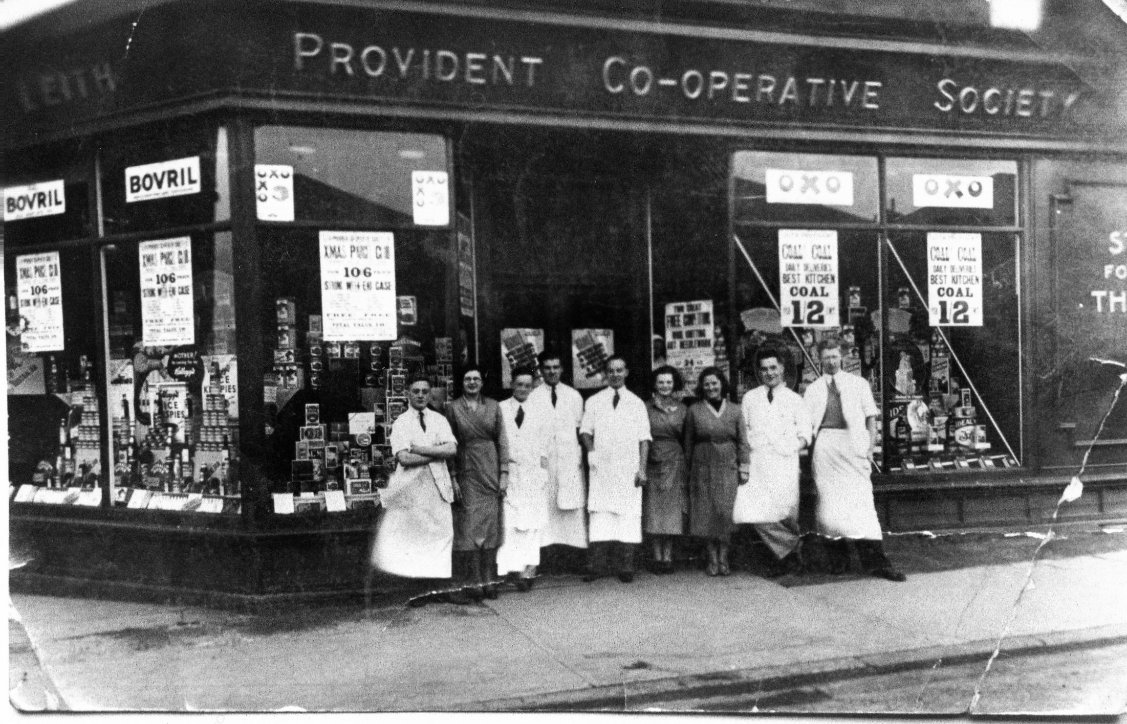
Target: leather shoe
[[626, 576], [490, 591], [889, 573], [792, 563], [458, 598], [475, 593], [523, 585], [775, 569]]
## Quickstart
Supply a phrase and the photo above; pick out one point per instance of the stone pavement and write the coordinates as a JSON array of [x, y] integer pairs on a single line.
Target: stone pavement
[[569, 644]]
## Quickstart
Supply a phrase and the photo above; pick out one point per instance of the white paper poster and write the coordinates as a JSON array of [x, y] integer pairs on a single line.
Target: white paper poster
[[519, 348], [690, 338], [167, 316], [358, 299], [590, 349], [808, 278], [273, 192], [954, 280], [178, 177], [956, 192], [30, 202], [825, 188], [430, 198], [39, 288]]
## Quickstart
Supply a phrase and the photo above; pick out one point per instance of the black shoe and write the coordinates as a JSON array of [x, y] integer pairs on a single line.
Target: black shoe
[[474, 593], [792, 564], [889, 573], [530, 582], [666, 568], [592, 577], [626, 576], [775, 569], [524, 585], [490, 591]]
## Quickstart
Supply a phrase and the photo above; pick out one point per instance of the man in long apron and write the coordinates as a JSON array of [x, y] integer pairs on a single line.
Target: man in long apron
[[616, 434], [565, 493], [845, 417], [778, 427], [525, 507]]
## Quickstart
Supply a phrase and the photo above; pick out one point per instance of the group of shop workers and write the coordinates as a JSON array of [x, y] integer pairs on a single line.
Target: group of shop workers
[[485, 487]]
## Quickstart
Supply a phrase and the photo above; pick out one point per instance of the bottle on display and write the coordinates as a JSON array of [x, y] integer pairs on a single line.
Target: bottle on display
[[66, 478], [187, 463], [123, 471], [172, 462], [52, 375]]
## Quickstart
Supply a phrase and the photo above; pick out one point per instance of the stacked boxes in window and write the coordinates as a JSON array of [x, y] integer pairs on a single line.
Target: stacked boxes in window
[[214, 423], [87, 442]]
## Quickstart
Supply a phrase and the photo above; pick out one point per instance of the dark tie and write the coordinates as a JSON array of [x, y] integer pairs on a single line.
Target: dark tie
[[832, 386], [770, 395], [520, 415], [553, 395], [422, 421], [615, 402]]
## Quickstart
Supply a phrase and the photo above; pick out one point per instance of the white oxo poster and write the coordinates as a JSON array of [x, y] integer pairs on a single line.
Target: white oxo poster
[[166, 292], [808, 278], [39, 289], [954, 280], [358, 299]]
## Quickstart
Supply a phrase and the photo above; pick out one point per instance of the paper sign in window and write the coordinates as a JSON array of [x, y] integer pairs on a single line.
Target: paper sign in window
[[358, 299], [165, 179], [31, 202], [954, 280], [954, 192], [430, 198], [273, 192], [824, 188], [39, 289], [808, 278], [166, 292]]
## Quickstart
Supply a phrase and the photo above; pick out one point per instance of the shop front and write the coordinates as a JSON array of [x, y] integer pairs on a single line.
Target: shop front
[[229, 249]]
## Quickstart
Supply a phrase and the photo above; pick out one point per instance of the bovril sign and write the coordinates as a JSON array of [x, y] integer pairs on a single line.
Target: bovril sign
[[30, 202], [179, 177]]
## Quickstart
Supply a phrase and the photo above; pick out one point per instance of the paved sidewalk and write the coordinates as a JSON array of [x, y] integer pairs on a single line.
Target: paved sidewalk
[[567, 643]]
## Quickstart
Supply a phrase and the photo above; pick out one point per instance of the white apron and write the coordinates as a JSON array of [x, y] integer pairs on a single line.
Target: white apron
[[771, 491], [845, 491], [415, 533]]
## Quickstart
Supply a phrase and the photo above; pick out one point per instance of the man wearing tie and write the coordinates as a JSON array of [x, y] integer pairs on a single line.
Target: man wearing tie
[[565, 492], [616, 434], [525, 508], [845, 420], [778, 427]]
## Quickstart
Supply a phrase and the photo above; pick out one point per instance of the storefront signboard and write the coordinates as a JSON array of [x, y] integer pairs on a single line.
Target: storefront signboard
[[273, 192], [690, 338], [952, 192], [954, 280], [179, 177], [430, 198], [30, 202], [167, 301], [519, 348], [808, 278], [358, 299], [590, 349], [824, 188], [39, 288]]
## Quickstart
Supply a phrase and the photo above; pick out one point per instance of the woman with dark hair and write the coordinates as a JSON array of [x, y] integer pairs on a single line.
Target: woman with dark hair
[[717, 451], [666, 494], [482, 470]]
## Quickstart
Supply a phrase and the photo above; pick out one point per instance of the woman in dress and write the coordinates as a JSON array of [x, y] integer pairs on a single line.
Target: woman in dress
[[482, 471], [415, 530], [666, 494], [718, 457]]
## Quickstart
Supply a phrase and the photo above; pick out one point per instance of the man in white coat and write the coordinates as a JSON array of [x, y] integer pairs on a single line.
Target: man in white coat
[[525, 509], [565, 492], [616, 434], [778, 428], [845, 420]]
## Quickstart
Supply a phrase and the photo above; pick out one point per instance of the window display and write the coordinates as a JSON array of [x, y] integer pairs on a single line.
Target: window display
[[929, 318]]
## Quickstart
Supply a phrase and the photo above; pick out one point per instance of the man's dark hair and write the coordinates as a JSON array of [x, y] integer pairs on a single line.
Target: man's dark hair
[[614, 357], [546, 355], [829, 343], [768, 353], [521, 371]]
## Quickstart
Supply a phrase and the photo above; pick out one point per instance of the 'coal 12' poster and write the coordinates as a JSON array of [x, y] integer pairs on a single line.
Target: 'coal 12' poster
[[808, 278], [954, 280], [167, 317]]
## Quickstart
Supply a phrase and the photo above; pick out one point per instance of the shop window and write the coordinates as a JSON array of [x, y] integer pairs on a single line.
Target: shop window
[[950, 192], [348, 317], [173, 372], [805, 188], [55, 439], [47, 195], [340, 176], [165, 177]]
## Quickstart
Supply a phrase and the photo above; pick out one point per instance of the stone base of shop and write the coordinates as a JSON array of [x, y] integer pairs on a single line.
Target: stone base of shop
[[320, 559]]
